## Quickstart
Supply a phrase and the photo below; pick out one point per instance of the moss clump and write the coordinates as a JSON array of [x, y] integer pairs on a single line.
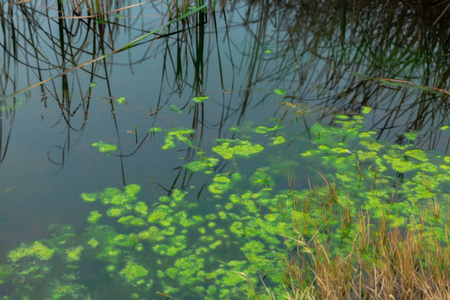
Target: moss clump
[[74, 254], [35, 250], [94, 217], [133, 272]]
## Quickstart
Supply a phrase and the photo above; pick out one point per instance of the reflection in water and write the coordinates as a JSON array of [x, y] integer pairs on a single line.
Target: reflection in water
[[338, 63], [325, 58]]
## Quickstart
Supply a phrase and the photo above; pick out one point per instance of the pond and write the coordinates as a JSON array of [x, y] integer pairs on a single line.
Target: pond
[[175, 150]]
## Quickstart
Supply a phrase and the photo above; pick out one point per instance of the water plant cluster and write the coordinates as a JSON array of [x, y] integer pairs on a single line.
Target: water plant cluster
[[237, 242]]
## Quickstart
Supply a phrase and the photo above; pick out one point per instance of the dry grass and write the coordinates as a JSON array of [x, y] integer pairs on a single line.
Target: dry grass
[[402, 265]]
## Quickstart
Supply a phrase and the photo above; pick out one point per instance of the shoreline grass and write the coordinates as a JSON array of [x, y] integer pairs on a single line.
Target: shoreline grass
[[384, 263]]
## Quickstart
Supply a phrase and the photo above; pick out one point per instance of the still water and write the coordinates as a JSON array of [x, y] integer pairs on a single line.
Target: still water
[[274, 64]]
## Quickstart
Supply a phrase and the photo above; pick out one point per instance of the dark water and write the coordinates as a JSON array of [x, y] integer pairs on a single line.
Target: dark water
[[332, 58]]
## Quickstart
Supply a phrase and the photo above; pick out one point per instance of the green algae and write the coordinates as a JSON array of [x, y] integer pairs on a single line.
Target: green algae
[[5, 273], [105, 147], [94, 217], [220, 184], [62, 290], [366, 110], [263, 129], [133, 272], [141, 208], [230, 149], [417, 154], [155, 129], [206, 163], [115, 212], [93, 243], [278, 140], [412, 136], [200, 99], [89, 197], [280, 92], [178, 135], [256, 222], [37, 250], [121, 100], [74, 254]]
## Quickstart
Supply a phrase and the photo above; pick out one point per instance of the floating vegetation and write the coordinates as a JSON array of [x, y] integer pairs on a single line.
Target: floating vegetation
[[247, 228], [230, 149], [105, 148], [200, 99], [280, 93], [206, 163], [121, 100], [178, 135]]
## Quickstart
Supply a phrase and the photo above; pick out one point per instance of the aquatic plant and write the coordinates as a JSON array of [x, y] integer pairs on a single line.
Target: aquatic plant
[[37, 250], [200, 99], [105, 147], [229, 149], [251, 226]]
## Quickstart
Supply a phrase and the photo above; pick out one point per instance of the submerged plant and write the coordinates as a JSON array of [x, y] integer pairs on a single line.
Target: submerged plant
[[248, 227]]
